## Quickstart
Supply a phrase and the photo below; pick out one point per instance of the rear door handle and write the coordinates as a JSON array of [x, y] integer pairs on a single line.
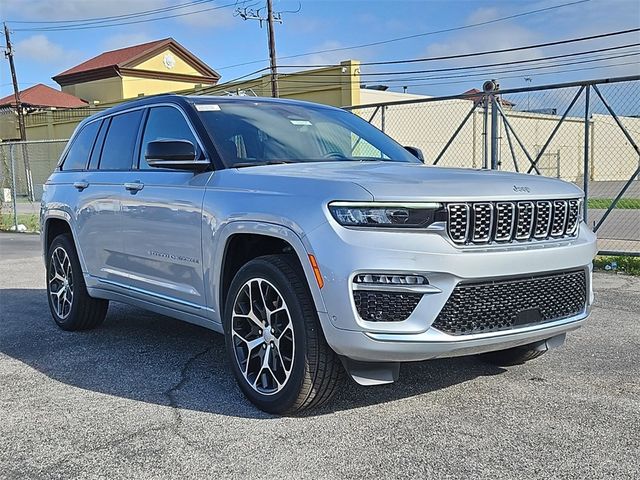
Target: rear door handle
[[134, 187], [81, 185]]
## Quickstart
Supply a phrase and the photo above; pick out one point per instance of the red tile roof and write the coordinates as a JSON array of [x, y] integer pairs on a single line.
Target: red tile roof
[[42, 96], [114, 57]]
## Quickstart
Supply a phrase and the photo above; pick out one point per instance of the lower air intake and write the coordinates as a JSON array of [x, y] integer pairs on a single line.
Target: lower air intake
[[385, 306], [515, 302]]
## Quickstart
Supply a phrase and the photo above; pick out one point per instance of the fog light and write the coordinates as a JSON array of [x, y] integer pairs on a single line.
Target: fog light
[[381, 279]]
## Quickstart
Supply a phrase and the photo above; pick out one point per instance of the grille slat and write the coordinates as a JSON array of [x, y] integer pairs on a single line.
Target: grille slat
[[573, 214], [482, 222], [493, 306], [525, 220], [487, 222], [543, 219], [505, 221], [559, 218]]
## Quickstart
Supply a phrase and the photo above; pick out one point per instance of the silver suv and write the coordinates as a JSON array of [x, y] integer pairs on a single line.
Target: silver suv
[[311, 240]]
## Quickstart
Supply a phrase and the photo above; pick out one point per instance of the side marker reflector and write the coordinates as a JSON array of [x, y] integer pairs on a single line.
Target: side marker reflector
[[316, 271]]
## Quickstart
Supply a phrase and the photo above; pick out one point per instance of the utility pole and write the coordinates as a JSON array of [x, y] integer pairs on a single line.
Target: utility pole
[[16, 93], [272, 50], [271, 18], [528, 80]]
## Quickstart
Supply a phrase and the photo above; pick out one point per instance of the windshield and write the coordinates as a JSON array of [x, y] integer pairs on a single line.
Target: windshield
[[253, 133]]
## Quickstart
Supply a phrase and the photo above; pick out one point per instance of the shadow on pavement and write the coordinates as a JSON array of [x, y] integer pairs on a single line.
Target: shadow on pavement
[[146, 357]]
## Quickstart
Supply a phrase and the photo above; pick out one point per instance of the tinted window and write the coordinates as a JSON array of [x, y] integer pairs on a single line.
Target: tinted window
[[164, 123], [80, 150], [97, 148], [119, 144]]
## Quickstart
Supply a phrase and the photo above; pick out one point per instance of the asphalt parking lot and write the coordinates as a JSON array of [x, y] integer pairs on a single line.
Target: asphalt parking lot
[[145, 396]]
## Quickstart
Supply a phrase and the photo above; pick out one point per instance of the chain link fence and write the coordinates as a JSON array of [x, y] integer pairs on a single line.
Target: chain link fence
[[24, 168], [586, 133]]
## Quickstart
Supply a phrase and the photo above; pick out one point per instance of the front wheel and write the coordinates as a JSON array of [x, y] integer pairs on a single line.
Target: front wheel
[[275, 344]]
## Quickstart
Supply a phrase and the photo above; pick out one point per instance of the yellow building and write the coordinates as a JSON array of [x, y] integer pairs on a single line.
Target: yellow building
[[150, 68]]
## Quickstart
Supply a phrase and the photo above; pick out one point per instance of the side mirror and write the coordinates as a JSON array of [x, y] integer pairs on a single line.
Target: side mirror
[[416, 152], [179, 154]]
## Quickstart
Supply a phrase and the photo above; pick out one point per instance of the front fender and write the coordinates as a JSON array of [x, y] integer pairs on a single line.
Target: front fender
[[213, 265]]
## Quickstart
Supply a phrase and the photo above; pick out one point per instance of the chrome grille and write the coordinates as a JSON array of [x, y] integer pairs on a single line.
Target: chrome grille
[[500, 222]]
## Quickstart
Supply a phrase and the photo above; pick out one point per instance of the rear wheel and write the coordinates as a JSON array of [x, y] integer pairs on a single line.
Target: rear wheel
[[276, 347], [71, 306]]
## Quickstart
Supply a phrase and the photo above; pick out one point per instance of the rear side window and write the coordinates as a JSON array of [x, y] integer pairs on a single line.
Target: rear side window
[[120, 142], [80, 149], [164, 123]]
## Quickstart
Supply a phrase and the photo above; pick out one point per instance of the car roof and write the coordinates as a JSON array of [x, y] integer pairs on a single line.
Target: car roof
[[188, 100]]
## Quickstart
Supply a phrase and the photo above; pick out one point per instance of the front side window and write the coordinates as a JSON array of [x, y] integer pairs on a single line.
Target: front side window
[[249, 133], [120, 141], [80, 149], [164, 123]]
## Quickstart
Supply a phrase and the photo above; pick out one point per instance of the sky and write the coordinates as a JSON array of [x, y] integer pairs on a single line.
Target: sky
[[223, 39]]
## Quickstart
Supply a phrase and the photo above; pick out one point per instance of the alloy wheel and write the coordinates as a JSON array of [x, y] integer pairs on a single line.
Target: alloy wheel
[[60, 282], [262, 336]]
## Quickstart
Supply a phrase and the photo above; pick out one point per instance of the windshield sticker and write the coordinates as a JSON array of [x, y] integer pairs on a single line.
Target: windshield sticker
[[300, 122], [207, 107]]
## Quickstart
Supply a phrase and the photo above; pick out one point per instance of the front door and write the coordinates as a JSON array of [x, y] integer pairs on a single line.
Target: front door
[[162, 220]]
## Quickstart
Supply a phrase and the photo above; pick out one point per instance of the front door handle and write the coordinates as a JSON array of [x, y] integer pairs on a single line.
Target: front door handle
[[134, 187], [81, 185]]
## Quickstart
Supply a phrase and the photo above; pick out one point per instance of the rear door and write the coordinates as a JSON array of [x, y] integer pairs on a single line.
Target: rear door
[[162, 218], [99, 219], [77, 187]]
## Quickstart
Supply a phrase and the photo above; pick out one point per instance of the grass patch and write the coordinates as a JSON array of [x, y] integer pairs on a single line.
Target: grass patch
[[604, 203], [29, 220], [629, 265]]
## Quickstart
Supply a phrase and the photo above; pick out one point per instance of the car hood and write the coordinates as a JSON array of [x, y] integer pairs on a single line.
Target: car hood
[[395, 181]]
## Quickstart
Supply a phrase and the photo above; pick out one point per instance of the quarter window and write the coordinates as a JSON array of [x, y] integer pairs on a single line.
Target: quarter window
[[80, 150], [119, 144], [164, 123]]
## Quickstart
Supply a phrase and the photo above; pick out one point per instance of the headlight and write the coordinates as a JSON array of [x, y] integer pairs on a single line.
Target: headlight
[[386, 215]]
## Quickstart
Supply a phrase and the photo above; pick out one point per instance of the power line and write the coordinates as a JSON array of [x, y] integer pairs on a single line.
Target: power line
[[115, 17], [485, 52], [88, 27], [471, 67], [538, 74], [424, 34], [270, 19], [488, 72]]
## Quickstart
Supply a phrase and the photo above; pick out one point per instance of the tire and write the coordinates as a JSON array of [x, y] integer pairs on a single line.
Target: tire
[[513, 356], [71, 306], [302, 371]]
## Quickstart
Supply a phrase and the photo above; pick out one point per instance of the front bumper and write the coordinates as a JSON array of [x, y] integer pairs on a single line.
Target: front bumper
[[342, 253], [375, 347]]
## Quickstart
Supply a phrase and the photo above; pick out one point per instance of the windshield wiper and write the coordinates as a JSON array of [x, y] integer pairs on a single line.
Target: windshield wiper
[[257, 164]]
